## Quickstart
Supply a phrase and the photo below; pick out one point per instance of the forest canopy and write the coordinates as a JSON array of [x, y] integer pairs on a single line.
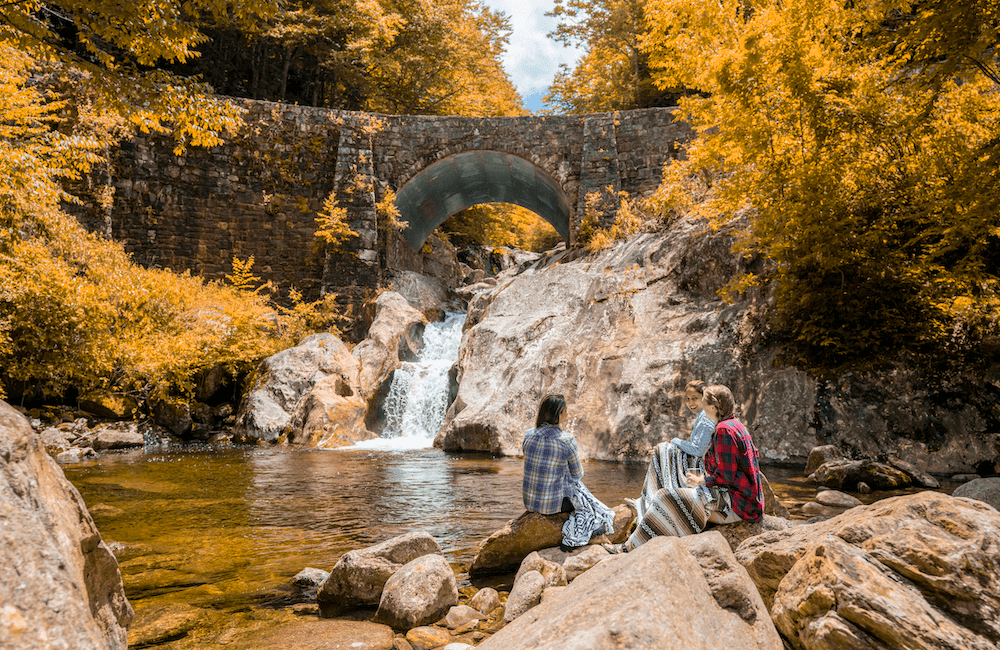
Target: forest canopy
[[860, 142], [77, 315]]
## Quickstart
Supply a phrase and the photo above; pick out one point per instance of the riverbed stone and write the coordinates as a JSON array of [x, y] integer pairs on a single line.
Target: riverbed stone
[[820, 455], [813, 509], [283, 379], [163, 623], [460, 615], [121, 435], [396, 335], [59, 581], [525, 594], [307, 583], [359, 576], [76, 455], [847, 474], [573, 562], [421, 592], [318, 634], [639, 599], [553, 572], [426, 637], [913, 571], [54, 441], [837, 499], [486, 600], [986, 490]]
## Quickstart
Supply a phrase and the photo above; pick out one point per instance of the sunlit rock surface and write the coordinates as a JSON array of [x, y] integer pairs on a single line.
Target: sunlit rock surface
[[915, 571], [669, 593], [420, 592], [359, 576], [284, 379], [621, 332], [60, 586], [395, 335]]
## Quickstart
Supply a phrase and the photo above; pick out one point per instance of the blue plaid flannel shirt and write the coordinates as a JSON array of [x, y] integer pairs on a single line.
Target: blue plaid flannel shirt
[[551, 469]]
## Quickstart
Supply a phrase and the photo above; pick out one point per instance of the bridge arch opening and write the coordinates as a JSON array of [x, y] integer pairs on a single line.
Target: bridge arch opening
[[463, 180]]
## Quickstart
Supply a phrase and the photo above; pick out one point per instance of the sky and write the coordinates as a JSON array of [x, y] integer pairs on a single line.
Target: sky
[[532, 59]]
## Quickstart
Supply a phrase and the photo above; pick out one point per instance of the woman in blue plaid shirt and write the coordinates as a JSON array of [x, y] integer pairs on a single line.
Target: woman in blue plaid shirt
[[553, 477]]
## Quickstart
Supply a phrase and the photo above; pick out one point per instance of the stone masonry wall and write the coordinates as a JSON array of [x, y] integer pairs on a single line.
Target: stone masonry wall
[[259, 193]]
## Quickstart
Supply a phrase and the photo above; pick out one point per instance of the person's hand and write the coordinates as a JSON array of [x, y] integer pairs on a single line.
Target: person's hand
[[694, 478]]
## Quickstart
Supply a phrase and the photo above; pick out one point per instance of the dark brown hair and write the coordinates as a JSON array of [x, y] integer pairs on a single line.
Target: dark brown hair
[[722, 399], [697, 384], [549, 410]]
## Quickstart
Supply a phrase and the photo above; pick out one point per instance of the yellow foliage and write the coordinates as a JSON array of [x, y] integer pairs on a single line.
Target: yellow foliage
[[333, 228], [500, 224], [388, 213], [862, 142], [78, 312]]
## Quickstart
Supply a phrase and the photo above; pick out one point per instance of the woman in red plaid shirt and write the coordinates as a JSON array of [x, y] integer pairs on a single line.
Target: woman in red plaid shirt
[[729, 492]]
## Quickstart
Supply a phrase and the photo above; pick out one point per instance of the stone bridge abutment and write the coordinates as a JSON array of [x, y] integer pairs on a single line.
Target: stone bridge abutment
[[259, 193]]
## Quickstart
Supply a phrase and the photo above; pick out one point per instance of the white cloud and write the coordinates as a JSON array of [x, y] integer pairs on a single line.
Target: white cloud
[[532, 58]]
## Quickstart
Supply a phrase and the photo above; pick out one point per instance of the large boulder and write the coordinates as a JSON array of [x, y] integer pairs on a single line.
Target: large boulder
[[621, 332], [430, 296], [332, 414], [358, 577], [503, 551], [914, 571], [986, 490], [421, 592], [395, 335], [680, 593], [847, 474], [283, 379], [60, 586]]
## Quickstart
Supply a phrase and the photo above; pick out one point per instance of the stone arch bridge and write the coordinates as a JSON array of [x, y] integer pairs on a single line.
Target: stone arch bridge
[[259, 193]]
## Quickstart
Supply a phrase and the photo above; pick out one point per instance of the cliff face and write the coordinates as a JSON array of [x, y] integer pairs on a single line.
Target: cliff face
[[622, 332], [60, 586]]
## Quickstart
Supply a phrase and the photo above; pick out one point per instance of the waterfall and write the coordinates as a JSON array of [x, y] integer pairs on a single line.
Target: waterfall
[[417, 400]]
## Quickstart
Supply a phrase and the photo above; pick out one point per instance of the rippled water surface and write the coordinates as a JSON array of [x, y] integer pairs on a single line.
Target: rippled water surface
[[221, 529]]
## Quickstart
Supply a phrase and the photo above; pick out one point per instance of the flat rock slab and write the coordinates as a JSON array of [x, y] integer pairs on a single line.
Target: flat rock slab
[[321, 634]]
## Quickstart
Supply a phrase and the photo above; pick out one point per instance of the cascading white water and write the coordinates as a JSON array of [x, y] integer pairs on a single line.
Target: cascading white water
[[417, 400]]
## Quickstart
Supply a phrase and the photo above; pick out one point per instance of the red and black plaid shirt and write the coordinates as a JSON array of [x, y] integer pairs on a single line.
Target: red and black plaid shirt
[[731, 462]]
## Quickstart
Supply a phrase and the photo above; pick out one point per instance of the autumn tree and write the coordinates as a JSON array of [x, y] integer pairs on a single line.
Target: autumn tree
[[500, 224], [394, 56], [613, 73], [861, 143]]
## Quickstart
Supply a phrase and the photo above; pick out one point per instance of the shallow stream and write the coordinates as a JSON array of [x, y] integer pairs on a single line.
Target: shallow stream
[[223, 529]]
